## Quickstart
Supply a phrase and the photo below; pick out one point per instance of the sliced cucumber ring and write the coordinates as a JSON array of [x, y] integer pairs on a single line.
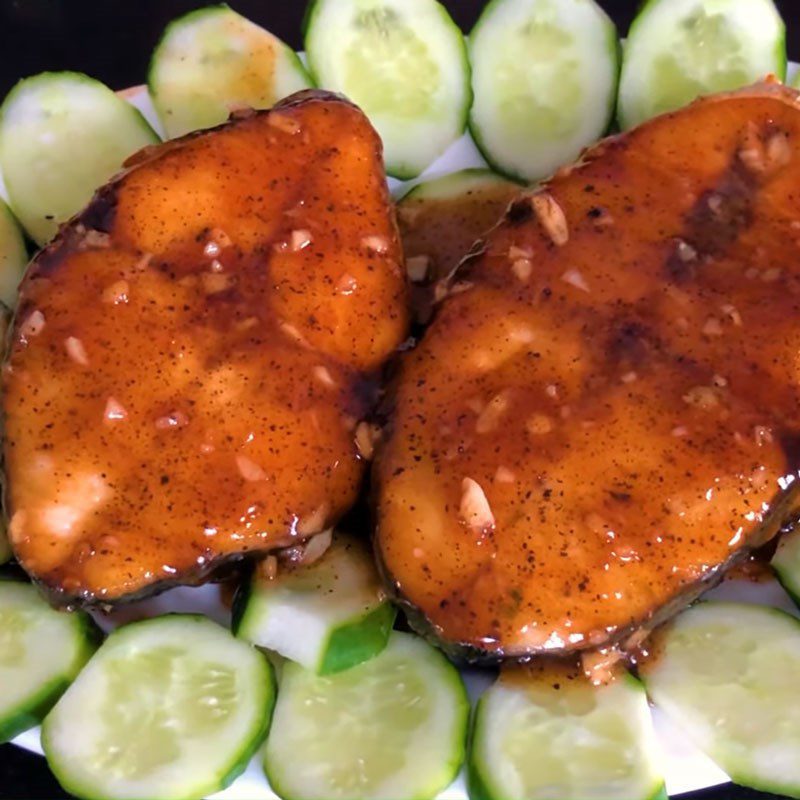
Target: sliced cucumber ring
[[172, 707], [547, 732], [41, 652], [13, 258], [473, 180], [404, 62], [327, 616], [544, 74], [394, 726], [679, 49], [727, 673], [63, 134], [211, 62], [786, 563]]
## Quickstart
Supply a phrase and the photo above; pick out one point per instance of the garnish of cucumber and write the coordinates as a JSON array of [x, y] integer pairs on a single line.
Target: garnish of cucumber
[[727, 674], [544, 74], [394, 726], [172, 707], [13, 258], [328, 615], [213, 61], [63, 134], [404, 62], [547, 732], [41, 652], [786, 563], [678, 50]]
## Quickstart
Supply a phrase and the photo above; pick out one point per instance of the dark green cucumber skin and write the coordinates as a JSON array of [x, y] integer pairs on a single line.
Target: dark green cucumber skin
[[790, 585], [477, 789], [240, 765], [360, 641], [39, 707], [33, 715], [241, 598], [790, 589], [355, 643]]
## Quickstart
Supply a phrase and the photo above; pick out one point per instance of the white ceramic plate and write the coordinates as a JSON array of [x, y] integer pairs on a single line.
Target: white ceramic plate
[[684, 766]]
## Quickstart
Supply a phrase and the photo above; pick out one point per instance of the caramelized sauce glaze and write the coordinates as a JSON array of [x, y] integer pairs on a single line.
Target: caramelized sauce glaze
[[191, 357], [444, 228], [576, 450]]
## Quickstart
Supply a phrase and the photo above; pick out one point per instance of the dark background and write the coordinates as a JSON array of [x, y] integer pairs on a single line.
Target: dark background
[[112, 40]]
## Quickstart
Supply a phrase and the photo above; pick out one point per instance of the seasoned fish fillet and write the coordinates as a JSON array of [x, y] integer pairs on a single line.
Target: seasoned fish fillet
[[604, 414], [191, 357]]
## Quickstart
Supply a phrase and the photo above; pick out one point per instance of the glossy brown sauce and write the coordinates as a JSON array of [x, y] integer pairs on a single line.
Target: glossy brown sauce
[[443, 227], [585, 440], [438, 229], [184, 386]]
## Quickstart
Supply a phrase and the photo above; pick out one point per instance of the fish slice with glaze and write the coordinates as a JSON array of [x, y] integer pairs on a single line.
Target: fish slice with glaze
[[604, 414], [191, 357]]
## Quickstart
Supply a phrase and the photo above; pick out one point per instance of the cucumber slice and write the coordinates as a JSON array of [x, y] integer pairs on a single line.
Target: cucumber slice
[[63, 134], [786, 563], [13, 258], [41, 652], [212, 61], [679, 49], [727, 673], [327, 616], [404, 62], [471, 181], [547, 732], [394, 726], [544, 74], [172, 707]]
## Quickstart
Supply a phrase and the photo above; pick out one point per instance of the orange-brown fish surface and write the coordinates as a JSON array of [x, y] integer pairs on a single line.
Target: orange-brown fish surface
[[192, 355], [604, 414]]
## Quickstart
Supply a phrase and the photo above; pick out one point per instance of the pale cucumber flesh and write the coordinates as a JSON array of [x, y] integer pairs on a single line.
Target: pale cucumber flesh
[[544, 74], [327, 616], [678, 50], [404, 63], [213, 61], [727, 674], [391, 727], [548, 733], [13, 258], [172, 707], [62, 135], [41, 652]]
